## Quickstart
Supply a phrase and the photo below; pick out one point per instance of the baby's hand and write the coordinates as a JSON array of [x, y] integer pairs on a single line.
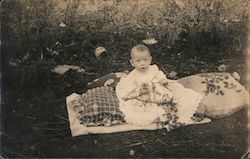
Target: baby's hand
[[164, 82], [132, 94], [144, 88], [125, 98], [142, 85]]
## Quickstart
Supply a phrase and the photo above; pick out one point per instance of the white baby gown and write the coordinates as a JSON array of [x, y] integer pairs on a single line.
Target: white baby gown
[[141, 113]]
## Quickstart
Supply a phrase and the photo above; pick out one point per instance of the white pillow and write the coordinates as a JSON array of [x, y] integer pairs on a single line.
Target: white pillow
[[223, 95]]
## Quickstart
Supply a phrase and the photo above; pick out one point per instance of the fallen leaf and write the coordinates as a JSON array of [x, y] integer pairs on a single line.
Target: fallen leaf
[[132, 152], [150, 41], [180, 3], [109, 82], [62, 25], [26, 57], [235, 20], [222, 68], [62, 69], [236, 76], [120, 74], [13, 62], [172, 74], [99, 50], [55, 53], [57, 43]]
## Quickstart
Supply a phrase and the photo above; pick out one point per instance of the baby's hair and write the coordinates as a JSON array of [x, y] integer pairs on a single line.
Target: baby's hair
[[139, 48]]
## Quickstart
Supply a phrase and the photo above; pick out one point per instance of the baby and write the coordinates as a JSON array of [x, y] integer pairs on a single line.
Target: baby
[[144, 91]]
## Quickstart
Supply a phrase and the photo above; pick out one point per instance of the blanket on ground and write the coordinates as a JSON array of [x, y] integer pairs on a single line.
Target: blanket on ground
[[77, 128], [222, 96]]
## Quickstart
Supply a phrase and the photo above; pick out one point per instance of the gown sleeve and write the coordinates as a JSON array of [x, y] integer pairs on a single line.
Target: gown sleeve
[[160, 76], [125, 87]]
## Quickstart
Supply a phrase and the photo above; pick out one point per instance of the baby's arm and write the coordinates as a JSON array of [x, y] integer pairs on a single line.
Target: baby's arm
[[131, 95], [161, 77], [126, 89]]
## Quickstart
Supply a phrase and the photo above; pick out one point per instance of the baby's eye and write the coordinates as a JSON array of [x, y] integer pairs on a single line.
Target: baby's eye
[[137, 60]]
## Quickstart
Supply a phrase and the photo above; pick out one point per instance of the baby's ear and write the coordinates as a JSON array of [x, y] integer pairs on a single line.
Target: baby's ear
[[131, 62]]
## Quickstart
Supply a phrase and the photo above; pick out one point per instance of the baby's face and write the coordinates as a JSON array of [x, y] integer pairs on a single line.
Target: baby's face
[[141, 60]]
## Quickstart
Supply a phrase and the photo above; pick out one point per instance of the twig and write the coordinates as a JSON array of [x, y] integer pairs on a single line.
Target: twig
[[147, 101], [15, 153], [246, 155], [133, 145], [27, 116], [183, 141], [146, 146], [90, 73], [156, 151], [162, 142], [218, 145], [31, 139], [159, 140], [52, 129], [49, 123], [135, 97], [30, 117], [61, 117], [176, 142]]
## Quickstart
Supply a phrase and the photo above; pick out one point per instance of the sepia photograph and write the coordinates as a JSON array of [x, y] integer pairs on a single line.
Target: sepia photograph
[[125, 79]]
